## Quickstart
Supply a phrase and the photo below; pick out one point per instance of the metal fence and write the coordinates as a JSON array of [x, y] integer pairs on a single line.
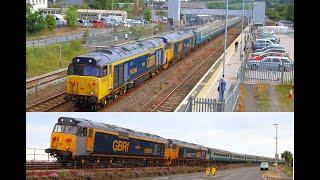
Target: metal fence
[[214, 105], [44, 59], [54, 40], [271, 71], [36, 155]]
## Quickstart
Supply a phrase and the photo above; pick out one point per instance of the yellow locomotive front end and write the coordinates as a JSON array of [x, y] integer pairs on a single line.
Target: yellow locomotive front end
[[88, 84], [71, 139], [63, 140]]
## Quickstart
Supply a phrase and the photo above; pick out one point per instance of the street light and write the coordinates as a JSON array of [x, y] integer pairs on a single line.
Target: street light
[[241, 46], [225, 39], [276, 146]]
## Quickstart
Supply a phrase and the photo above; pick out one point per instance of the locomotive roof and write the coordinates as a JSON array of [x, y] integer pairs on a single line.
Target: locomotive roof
[[175, 36], [188, 145], [114, 128], [119, 52]]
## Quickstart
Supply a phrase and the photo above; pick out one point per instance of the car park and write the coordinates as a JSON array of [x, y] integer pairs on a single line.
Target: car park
[[272, 63], [275, 46], [261, 43], [266, 54], [84, 23], [274, 49], [98, 24], [264, 166]]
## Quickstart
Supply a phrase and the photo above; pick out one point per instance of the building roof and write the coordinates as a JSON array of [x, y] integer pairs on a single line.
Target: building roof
[[101, 11], [188, 5]]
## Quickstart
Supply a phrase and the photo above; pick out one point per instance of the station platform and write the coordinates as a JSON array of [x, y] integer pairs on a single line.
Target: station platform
[[208, 84]]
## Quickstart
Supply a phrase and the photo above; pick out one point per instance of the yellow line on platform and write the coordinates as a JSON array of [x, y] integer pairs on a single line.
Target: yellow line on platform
[[205, 90]]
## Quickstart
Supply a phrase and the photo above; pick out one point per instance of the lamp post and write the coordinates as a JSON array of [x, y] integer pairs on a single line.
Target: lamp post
[[225, 39], [241, 46], [276, 156]]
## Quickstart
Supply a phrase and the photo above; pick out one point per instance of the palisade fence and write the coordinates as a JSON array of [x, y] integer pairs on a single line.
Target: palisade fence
[[38, 155], [214, 105]]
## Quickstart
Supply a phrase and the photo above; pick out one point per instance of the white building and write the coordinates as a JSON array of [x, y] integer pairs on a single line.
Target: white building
[[39, 4]]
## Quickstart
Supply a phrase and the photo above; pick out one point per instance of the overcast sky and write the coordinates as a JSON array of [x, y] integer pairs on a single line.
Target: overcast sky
[[250, 133]]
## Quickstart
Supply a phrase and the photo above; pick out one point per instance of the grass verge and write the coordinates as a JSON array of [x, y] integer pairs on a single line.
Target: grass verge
[[286, 104], [261, 93], [44, 59]]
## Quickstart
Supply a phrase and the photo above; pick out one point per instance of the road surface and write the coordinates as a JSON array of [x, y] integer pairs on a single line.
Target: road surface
[[247, 173]]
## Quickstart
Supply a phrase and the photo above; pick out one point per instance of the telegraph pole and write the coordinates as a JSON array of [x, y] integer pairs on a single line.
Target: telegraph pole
[[225, 39], [241, 46], [276, 146]]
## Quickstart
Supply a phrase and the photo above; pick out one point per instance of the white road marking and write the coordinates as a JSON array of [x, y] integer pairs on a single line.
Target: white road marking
[[160, 178]]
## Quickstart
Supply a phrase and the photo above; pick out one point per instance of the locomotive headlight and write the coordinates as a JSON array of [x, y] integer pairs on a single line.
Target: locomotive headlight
[[91, 93]]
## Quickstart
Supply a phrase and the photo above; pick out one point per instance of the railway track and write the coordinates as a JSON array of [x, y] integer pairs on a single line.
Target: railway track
[[48, 103], [172, 97], [45, 79], [43, 166]]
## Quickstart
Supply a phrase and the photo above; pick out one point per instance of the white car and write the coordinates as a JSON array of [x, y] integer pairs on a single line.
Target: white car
[[264, 166]]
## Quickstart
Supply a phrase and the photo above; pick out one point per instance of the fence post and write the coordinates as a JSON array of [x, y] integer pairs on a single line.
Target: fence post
[[60, 54], [34, 154], [282, 72]]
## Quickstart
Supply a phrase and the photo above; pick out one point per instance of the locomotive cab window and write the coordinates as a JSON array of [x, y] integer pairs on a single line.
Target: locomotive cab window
[[90, 132], [82, 132], [105, 71], [84, 70], [110, 69], [65, 129]]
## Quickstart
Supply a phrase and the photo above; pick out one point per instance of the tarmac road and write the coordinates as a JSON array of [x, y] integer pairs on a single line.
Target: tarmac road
[[247, 173]]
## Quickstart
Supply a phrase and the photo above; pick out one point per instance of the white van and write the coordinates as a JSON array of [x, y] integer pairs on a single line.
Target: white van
[[59, 19]]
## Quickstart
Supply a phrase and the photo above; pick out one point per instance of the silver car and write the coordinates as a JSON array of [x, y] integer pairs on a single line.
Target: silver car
[[264, 166], [272, 63], [273, 50]]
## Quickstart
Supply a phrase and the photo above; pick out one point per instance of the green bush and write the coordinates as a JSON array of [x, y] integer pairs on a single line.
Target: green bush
[[72, 17], [34, 20], [50, 22]]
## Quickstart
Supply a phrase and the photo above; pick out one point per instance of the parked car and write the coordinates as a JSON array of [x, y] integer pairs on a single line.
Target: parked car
[[261, 43], [59, 20], [136, 22], [84, 23], [154, 20], [273, 40], [98, 24], [266, 54], [264, 166], [275, 50], [268, 36], [268, 47], [272, 63]]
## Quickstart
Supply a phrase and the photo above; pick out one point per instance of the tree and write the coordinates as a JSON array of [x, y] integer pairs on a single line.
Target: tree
[[34, 20], [101, 4], [50, 22], [72, 17], [287, 156], [147, 14]]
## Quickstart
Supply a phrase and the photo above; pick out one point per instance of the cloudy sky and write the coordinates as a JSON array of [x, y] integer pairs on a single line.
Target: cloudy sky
[[250, 133]]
